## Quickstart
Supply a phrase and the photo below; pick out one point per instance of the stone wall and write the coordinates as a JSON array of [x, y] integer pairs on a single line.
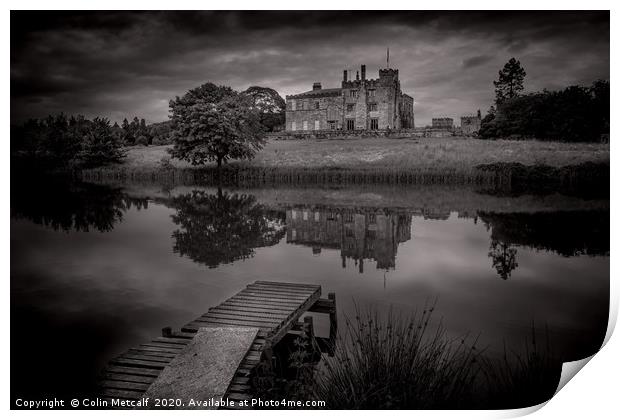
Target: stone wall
[[443, 123], [306, 113], [356, 134], [406, 112], [470, 124]]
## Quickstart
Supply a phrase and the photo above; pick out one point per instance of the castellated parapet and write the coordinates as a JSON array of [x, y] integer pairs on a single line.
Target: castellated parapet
[[359, 104]]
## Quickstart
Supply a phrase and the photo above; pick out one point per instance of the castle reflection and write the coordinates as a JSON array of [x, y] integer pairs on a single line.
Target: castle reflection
[[372, 234]]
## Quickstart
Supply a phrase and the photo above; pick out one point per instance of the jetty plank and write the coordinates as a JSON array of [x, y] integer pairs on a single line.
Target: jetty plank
[[270, 308]]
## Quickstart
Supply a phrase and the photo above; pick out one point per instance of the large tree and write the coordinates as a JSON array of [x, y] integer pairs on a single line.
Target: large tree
[[215, 123], [510, 81], [269, 104]]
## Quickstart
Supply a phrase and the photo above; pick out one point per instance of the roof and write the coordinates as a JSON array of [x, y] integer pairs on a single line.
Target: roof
[[318, 92]]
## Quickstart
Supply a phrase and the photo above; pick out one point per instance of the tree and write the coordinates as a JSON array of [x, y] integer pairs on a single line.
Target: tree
[[601, 101], [99, 145], [510, 81], [269, 104], [215, 123], [574, 114]]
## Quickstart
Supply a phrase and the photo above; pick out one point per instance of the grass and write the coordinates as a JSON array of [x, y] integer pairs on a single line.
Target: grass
[[523, 379], [402, 362], [398, 362], [502, 166], [453, 153]]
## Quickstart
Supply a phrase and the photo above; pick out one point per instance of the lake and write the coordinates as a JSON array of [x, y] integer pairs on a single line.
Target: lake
[[97, 269]]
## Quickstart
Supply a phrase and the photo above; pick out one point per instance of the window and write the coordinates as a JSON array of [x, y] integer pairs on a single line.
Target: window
[[372, 107], [293, 105], [371, 93], [293, 234], [293, 126], [348, 218], [353, 93], [372, 218], [317, 125], [350, 107], [317, 216], [305, 215], [350, 124], [374, 124], [332, 125], [293, 212], [305, 125], [317, 104]]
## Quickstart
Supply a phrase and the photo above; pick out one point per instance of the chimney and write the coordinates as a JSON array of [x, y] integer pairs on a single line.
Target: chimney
[[357, 75], [316, 86], [363, 71], [344, 76]]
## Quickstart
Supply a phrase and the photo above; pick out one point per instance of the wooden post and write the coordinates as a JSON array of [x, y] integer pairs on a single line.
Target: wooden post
[[314, 349], [333, 324], [309, 327], [166, 332]]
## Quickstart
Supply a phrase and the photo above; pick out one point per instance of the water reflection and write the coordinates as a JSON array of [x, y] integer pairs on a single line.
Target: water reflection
[[122, 287], [72, 206], [504, 258], [568, 233], [222, 228], [372, 234]]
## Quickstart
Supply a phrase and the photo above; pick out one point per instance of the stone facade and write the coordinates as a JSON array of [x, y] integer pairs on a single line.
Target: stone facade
[[410, 133], [470, 124], [360, 104], [443, 123]]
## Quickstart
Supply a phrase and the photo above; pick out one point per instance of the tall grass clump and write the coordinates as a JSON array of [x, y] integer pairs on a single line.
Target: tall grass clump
[[398, 362], [523, 379]]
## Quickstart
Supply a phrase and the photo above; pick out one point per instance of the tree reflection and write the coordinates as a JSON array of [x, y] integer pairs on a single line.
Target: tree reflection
[[221, 228], [568, 233], [504, 257], [63, 205]]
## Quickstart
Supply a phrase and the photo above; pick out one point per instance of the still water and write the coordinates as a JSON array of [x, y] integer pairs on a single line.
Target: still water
[[96, 270]]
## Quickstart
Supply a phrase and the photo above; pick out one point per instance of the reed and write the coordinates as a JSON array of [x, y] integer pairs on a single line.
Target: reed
[[525, 378], [398, 362], [498, 178], [247, 176]]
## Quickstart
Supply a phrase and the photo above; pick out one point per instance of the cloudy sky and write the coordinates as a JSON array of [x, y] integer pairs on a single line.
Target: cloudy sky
[[131, 64]]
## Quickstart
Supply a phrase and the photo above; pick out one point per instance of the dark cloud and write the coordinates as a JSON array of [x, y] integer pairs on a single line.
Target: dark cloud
[[476, 61], [121, 64]]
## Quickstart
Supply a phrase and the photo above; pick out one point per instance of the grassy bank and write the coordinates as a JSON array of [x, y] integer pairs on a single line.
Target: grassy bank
[[453, 153], [503, 166]]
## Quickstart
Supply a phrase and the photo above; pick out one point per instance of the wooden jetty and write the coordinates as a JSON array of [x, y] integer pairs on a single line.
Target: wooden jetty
[[272, 308]]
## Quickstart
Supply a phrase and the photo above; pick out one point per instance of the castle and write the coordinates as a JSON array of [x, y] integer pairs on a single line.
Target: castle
[[470, 124], [360, 104]]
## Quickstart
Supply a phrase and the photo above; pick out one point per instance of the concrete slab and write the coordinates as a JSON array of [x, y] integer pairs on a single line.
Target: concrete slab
[[204, 369]]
